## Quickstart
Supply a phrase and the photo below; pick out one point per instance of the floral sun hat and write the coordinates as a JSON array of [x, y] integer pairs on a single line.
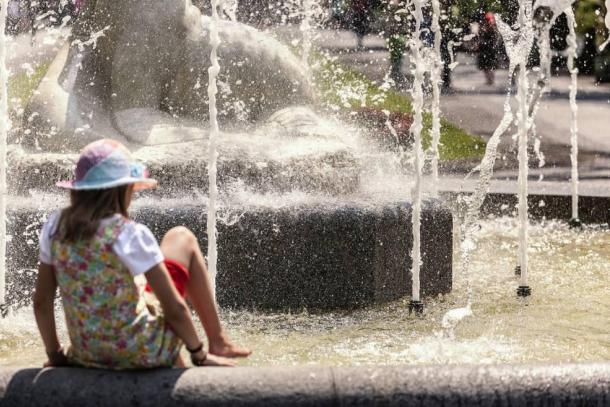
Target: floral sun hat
[[107, 164]]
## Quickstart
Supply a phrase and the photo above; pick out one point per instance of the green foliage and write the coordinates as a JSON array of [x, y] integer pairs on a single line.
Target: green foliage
[[22, 86], [585, 14], [343, 88], [469, 8], [455, 143], [590, 16]]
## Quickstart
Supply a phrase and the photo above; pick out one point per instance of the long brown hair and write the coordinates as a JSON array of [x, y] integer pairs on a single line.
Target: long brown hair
[[81, 219]]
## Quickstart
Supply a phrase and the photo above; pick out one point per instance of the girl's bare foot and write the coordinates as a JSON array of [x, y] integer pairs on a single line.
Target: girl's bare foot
[[224, 347], [213, 360]]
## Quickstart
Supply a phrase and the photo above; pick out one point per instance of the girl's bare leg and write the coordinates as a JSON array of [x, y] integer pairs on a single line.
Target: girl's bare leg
[[180, 245], [179, 363]]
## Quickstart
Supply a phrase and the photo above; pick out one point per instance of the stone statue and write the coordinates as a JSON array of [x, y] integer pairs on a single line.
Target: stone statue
[[137, 71]]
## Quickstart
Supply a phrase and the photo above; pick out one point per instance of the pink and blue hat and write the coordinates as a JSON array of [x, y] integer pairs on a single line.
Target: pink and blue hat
[[107, 164]]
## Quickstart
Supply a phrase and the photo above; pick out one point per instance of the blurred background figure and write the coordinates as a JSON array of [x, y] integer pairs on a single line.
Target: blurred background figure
[[361, 16], [488, 43]]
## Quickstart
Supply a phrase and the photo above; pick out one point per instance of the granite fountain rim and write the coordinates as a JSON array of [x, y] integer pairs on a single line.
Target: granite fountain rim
[[434, 385]]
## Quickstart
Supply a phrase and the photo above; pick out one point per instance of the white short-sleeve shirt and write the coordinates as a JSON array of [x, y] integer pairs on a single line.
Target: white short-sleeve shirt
[[135, 246]]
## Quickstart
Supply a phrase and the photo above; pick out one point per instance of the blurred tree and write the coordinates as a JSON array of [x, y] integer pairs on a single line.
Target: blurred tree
[[590, 24], [470, 9]]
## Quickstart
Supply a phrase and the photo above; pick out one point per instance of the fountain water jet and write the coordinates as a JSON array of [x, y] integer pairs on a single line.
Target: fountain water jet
[[486, 167], [546, 13], [544, 17], [4, 128], [525, 29], [417, 93], [437, 66], [572, 54], [214, 70], [518, 44], [306, 31]]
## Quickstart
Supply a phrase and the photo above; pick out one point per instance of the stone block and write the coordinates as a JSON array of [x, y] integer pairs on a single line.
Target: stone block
[[315, 257], [332, 171]]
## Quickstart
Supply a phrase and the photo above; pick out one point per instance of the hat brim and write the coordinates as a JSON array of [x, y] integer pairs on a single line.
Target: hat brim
[[139, 184]]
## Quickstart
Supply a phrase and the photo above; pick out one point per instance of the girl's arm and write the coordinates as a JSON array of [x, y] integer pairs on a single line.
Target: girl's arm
[[178, 314], [44, 310]]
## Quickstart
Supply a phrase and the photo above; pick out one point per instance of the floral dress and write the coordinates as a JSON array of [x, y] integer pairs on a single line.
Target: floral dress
[[108, 320]]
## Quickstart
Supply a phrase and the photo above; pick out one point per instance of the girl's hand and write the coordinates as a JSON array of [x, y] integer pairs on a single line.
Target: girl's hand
[[202, 358], [57, 359]]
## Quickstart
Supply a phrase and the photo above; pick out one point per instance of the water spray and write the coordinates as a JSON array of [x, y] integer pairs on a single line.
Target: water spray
[[417, 93], [572, 54], [306, 31], [486, 168], [4, 128], [213, 72], [545, 14]]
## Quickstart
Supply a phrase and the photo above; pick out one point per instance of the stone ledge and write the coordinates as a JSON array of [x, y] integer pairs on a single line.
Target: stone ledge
[[481, 385], [183, 167]]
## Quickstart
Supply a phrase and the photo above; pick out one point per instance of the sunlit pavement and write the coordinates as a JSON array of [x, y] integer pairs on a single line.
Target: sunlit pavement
[[478, 108]]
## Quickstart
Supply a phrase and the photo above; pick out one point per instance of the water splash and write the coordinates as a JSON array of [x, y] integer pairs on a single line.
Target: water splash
[[416, 129], [4, 128], [572, 54], [517, 44], [453, 317], [214, 70], [92, 41], [229, 7], [545, 18], [545, 15], [485, 170]]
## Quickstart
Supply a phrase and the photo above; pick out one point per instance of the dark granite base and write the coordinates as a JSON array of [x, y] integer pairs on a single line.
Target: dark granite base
[[432, 386], [303, 257], [592, 209]]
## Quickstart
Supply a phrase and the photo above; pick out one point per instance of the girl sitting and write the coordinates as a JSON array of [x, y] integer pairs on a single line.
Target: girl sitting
[[102, 261]]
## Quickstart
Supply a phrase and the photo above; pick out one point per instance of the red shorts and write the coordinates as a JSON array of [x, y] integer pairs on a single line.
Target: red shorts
[[179, 275]]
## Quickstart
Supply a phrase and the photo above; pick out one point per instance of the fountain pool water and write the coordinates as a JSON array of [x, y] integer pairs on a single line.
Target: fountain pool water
[[570, 268], [565, 320]]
